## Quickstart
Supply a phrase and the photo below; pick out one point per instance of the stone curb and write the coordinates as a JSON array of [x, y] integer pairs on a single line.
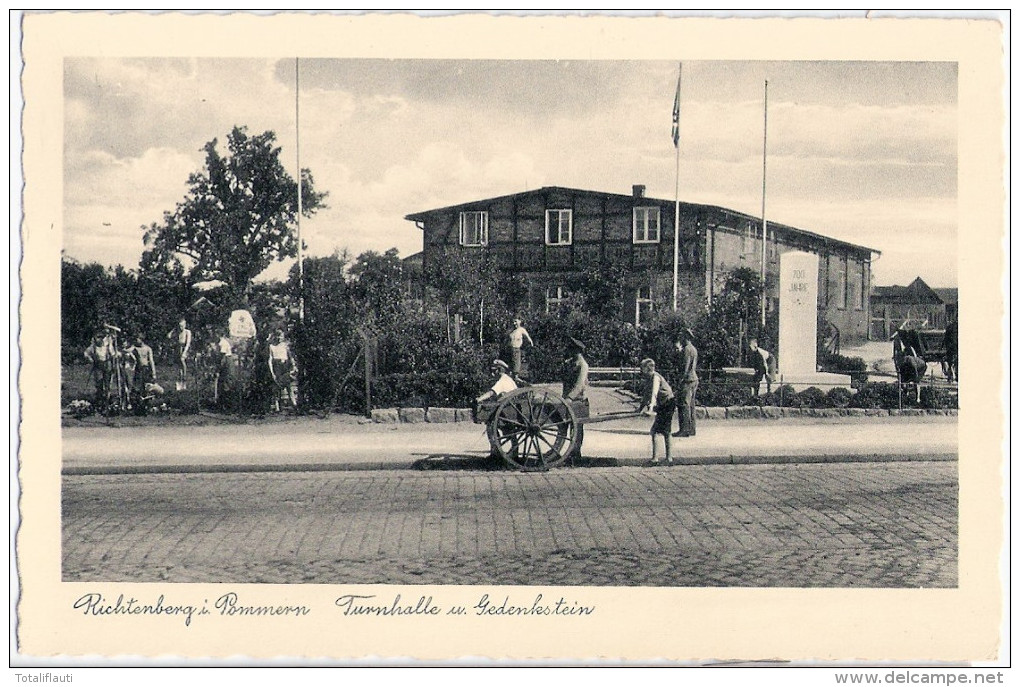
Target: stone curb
[[482, 463], [446, 415]]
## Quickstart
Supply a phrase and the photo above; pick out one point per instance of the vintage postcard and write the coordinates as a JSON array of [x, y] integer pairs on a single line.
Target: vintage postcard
[[544, 338]]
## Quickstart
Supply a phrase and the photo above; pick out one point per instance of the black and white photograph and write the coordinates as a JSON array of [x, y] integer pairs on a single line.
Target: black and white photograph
[[354, 339]]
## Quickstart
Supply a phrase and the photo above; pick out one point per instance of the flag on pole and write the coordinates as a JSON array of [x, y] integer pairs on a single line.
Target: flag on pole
[[676, 112]]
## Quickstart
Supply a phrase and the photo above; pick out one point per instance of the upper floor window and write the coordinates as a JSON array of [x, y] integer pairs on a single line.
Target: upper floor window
[[474, 228], [646, 225], [747, 241], [558, 227]]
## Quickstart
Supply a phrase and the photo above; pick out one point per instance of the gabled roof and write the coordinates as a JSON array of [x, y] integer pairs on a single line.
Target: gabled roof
[[915, 292], [949, 296], [422, 216]]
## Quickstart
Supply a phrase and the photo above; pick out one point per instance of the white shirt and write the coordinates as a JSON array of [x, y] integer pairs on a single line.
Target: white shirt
[[279, 351], [503, 385]]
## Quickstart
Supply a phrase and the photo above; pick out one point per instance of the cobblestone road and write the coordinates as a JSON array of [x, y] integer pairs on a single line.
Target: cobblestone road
[[801, 525]]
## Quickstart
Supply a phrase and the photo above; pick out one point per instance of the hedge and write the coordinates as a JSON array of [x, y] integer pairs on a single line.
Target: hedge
[[426, 390], [880, 395]]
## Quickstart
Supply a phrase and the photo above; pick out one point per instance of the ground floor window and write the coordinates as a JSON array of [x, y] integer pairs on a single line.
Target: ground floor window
[[643, 306], [555, 298]]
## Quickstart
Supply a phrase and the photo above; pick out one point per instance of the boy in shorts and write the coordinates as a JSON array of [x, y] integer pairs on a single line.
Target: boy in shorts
[[658, 400]]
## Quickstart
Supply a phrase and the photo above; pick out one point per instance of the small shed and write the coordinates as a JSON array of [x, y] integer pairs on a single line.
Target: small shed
[[915, 306]]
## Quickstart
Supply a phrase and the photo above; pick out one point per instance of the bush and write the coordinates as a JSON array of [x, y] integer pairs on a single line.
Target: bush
[[834, 362], [185, 402], [876, 395], [428, 389], [609, 343], [841, 364], [658, 340], [784, 394], [936, 398], [839, 397], [720, 394], [812, 397]]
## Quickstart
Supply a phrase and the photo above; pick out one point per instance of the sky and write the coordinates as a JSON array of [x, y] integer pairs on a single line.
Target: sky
[[864, 152]]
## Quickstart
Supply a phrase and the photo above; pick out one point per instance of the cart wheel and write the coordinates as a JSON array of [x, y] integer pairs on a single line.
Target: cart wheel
[[532, 429]]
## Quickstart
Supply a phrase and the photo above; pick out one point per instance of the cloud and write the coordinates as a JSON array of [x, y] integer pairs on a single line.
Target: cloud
[[852, 146], [127, 106], [364, 215], [107, 198]]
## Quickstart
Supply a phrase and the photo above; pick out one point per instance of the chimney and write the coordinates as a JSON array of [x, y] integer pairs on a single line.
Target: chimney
[[639, 190]]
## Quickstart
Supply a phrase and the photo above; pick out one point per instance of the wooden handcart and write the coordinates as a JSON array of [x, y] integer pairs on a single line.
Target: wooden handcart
[[536, 429]]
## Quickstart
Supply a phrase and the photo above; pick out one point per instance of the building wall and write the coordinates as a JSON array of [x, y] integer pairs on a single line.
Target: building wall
[[602, 234], [844, 275], [713, 243]]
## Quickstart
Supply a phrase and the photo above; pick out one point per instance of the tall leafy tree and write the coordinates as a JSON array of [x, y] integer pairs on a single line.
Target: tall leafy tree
[[138, 302], [83, 289], [326, 341], [237, 217], [378, 280], [461, 278], [600, 290], [733, 320]]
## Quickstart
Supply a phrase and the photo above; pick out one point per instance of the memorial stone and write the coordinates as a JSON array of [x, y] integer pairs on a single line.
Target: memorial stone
[[798, 312], [798, 324], [242, 333]]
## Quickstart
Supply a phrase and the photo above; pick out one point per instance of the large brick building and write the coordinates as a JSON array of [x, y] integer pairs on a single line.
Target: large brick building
[[548, 233]]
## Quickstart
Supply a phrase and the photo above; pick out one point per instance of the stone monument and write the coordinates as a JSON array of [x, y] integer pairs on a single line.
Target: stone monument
[[242, 337], [798, 323]]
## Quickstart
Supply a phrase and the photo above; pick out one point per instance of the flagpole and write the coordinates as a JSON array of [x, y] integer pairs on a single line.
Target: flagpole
[[676, 232], [764, 222], [676, 190], [297, 147]]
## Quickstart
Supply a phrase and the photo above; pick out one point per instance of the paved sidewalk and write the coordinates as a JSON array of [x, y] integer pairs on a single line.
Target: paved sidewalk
[[313, 444]]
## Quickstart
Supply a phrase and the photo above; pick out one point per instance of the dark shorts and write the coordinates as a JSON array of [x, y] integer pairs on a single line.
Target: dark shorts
[[664, 417], [143, 376]]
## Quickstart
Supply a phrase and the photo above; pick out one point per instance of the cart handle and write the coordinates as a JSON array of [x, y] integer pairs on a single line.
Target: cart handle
[[607, 417]]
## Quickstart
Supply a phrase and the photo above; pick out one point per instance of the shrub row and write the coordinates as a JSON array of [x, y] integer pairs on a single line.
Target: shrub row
[[880, 395], [427, 390]]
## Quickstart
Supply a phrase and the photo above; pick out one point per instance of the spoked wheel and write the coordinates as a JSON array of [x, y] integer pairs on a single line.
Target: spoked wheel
[[532, 429]]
